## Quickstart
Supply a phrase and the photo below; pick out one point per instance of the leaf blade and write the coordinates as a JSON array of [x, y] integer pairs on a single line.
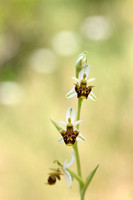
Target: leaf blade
[[56, 125], [89, 179]]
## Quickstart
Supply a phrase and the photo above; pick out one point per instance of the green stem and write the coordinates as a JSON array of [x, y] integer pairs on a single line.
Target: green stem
[[79, 109], [75, 147], [77, 159], [82, 197]]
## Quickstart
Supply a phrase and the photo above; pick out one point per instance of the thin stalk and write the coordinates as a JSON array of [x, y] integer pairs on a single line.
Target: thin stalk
[[75, 147], [79, 110], [82, 197]]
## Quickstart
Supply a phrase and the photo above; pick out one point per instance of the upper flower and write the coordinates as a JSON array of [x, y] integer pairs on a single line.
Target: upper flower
[[70, 134], [82, 88]]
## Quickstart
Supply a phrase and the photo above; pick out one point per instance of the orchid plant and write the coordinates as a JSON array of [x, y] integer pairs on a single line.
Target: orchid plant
[[70, 135]]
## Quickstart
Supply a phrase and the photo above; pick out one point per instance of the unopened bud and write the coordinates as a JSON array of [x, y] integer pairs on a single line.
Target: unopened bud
[[81, 62]]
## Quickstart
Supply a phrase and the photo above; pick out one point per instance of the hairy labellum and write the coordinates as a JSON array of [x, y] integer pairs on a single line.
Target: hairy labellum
[[51, 180], [69, 135], [83, 92], [53, 176]]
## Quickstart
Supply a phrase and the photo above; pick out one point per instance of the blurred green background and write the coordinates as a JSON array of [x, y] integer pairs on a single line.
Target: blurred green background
[[40, 41]]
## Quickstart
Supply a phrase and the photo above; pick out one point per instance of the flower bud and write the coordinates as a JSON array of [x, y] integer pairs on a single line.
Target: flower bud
[[81, 62]]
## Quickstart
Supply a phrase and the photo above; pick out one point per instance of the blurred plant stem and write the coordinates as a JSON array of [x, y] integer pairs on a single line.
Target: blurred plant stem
[[75, 147], [82, 185]]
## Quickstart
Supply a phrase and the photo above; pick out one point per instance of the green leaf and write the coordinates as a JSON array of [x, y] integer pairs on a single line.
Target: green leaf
[[56, 125], [89, 179]]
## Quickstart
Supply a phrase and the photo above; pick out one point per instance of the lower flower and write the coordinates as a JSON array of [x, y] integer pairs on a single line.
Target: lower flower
[[62, 170], [53, 176]]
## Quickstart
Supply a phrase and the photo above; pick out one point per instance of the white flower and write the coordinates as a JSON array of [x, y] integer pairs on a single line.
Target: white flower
[[70, 134], [82, 89], [65, 171]]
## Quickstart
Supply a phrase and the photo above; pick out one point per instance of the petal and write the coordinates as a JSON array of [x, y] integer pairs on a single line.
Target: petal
[[68, 177], [75, 79], [63, 123], [77, 122], [71, 93], [70, 163], [61, 140], [90, 80], [70, 114], [92, 96]]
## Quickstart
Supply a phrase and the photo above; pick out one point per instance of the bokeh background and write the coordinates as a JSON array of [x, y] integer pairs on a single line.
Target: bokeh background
[[40, 41]]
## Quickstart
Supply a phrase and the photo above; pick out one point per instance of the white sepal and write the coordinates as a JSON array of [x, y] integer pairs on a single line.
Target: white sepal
[[68, 177], [92, 96], [63, 123], [78, 139], [70, 114], [71, 93], [77, 122], [86, 71], [70, 163], [76, 79], [66, 173], [61, 140], [90, 80]]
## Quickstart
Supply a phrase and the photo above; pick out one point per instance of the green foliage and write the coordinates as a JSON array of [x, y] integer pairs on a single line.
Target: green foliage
[[88, 180], [56, 125]]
